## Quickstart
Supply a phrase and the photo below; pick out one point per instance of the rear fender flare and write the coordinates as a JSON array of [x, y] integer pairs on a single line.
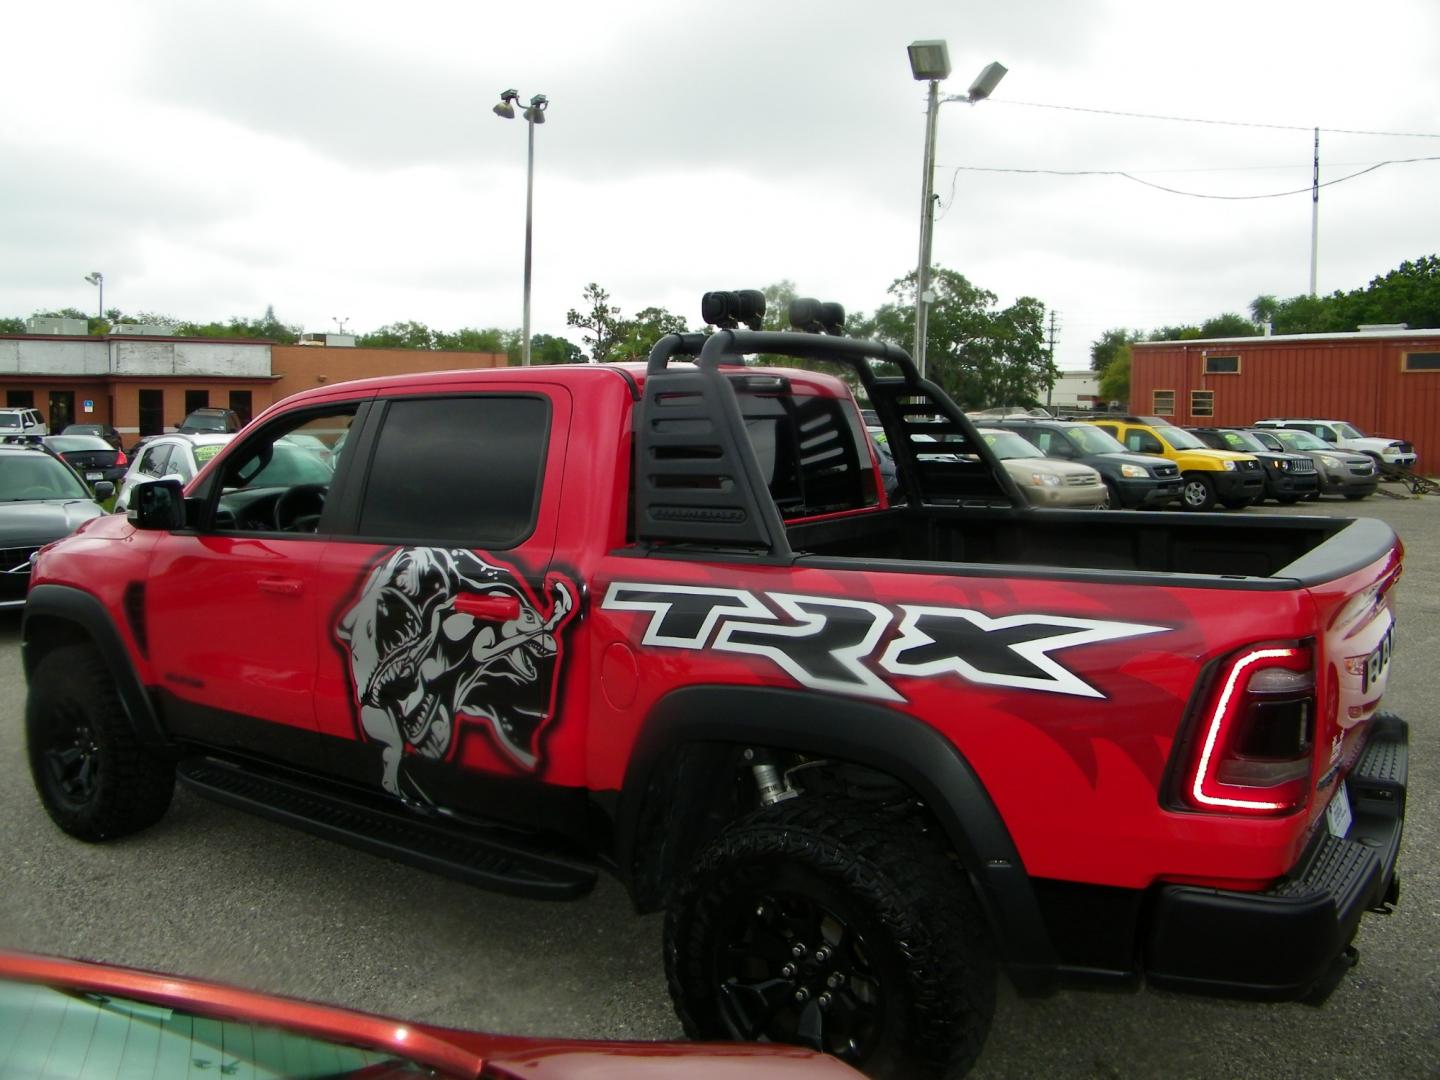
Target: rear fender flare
[[871, 735]]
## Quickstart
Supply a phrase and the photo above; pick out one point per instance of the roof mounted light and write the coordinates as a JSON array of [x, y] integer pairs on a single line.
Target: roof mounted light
[[728, 309]]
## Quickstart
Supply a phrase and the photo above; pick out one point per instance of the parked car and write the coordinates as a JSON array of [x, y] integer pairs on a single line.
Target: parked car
[[89, 455], [180, 457], [162, 456], [72, 1020], [223, 421], [1136, 481], [41, 500], [18, 423], [1211, 476], [1344, 435], [1288, 477], [105, 431], [1341, 472], [1046, 481]]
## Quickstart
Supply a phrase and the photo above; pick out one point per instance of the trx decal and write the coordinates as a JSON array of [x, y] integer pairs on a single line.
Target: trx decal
[[830, 644], [437, 636]]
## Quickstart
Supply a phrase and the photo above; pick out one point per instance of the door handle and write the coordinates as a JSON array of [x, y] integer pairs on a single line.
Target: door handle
[[281, 586], [496, 606]]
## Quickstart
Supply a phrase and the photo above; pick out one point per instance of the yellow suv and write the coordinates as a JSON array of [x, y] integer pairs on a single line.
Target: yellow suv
[[1211, 476]]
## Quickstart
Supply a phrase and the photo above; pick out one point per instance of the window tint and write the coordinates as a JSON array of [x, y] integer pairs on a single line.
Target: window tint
[[462, 469], [155, 460]]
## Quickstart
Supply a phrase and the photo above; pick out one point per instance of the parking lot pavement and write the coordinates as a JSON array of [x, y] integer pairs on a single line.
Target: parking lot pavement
[[215, 893]]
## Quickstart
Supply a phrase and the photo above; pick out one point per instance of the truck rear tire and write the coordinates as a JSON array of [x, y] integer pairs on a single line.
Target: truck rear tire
[[94, 778], [822, 922]]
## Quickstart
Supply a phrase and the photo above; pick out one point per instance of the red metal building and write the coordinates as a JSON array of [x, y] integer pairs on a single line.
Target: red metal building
[[1383, 382]]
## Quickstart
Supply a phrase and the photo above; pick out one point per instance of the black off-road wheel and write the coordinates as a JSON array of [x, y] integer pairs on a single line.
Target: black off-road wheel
[[94, 778], [824, 923]]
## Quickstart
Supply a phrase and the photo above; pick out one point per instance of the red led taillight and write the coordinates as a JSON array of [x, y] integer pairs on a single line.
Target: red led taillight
[[120, 458], [1255, 745]]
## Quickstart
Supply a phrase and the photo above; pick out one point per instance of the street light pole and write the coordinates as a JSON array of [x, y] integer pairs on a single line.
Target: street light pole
[[930, 62], [927, 228], [535, 114], [98, 280]]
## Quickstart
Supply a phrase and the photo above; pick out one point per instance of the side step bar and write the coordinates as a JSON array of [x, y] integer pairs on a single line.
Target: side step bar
[[434, 844]]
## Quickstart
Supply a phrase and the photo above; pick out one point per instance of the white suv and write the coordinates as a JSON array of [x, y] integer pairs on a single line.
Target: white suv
[[18, 423], [1346, 436]]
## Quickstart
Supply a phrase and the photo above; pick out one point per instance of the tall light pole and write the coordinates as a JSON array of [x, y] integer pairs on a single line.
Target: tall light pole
[[98, 280], [930, 62], [534, 114]]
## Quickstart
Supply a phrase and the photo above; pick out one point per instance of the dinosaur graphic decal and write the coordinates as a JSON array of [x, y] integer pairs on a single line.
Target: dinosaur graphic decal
[[439, 637]]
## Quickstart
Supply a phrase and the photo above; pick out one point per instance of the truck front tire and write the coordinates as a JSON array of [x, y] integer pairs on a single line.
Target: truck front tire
[[94, 778], [829, 924]]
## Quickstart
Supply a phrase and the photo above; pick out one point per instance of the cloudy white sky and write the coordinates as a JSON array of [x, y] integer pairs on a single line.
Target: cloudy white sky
[[340, 159]]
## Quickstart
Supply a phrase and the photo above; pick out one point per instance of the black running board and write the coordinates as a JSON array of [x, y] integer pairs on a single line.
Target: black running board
[[434, 844]]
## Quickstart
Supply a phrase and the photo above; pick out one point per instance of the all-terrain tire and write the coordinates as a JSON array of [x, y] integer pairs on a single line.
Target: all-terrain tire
[[94, 778], [827, 897]]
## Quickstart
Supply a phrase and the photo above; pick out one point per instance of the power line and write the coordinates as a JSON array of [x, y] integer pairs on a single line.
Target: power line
[[1307, 189], [1221, 123]]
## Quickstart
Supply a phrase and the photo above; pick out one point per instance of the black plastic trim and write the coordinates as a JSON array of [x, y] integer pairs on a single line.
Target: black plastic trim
[[1292, 940], [82, 610], [877, 737]]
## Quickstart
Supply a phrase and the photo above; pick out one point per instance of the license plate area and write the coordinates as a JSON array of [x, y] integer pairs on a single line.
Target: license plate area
[[94, 476], [1337, 814]]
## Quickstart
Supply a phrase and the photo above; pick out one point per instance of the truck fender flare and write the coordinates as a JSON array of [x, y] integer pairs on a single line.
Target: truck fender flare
[[872, 735], [60, 614]]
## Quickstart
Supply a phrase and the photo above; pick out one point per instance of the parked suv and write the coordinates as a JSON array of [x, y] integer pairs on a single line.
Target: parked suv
[[224, 421], [1341, 472], [1346, 436], [1135, 481], [165, 456], [1288, 477], [1210, 476], [1045, 481], [22, 425]]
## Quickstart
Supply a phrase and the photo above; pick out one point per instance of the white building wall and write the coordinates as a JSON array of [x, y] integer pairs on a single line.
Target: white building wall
[[1075, 389], [118, 356], [19, 356]]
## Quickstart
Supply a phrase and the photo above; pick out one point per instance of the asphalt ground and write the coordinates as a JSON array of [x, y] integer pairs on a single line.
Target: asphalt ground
[[214, 893]]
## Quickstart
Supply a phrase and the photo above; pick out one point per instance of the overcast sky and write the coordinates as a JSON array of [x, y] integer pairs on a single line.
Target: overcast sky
[[340, 159]]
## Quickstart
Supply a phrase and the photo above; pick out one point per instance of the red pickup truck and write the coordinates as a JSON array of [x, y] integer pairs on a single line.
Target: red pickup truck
[[664, 621]]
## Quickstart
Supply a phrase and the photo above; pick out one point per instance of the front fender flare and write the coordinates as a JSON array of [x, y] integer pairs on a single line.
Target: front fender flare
[[61, 614]]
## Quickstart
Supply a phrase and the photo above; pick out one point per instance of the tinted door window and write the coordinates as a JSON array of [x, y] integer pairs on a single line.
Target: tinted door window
[[154, 459], [463, 469]]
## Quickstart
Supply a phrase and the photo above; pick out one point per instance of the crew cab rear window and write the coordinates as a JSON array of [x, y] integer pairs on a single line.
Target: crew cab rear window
[[809, 453], [462, 469]]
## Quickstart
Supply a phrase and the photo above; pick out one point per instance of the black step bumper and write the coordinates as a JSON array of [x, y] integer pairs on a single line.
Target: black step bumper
[[1292, 941]]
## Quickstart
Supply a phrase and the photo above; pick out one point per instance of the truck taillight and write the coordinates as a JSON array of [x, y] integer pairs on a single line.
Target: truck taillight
[[1255, 745]]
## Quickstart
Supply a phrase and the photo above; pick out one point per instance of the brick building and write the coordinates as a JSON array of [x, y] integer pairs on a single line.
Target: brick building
[[144, 383], [1385, 382]]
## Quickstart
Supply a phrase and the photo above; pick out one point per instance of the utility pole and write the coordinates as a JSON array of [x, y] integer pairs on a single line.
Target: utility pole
[[1315, 215], [1050, 372]]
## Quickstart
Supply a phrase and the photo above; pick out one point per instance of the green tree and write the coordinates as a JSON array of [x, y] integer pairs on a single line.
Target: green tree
[[398, 335], [468, 339], [12, 326], [981, 355], [1115, 379], [549, 349], [600, 322], [635, 337], [1228, 325], [1263, 308], [1109, 345]]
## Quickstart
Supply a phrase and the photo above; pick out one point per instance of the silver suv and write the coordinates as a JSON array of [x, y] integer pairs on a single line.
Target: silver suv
[[1346, 436], [21, 424]]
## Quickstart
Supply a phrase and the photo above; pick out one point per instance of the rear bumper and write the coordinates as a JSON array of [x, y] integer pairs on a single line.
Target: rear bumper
[[1292, 941]]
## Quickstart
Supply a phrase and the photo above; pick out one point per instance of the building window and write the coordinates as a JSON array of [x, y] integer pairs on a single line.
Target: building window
[[1222, 365], [152, 412], [196, 399], [1163, 403], [241, 405], [1202, 402], [1421, 361], [20, 399]]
